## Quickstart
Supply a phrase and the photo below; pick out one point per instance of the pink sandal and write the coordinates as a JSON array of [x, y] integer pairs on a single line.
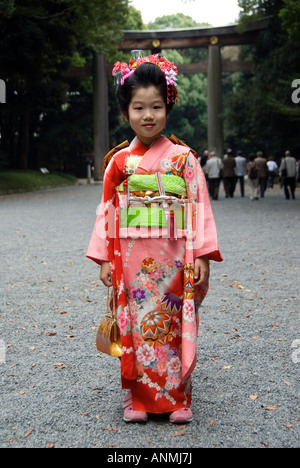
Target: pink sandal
[[131, 415], [181, 416]]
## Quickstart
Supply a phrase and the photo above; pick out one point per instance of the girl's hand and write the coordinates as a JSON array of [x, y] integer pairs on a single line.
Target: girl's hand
[[201, 270], [105, 274]]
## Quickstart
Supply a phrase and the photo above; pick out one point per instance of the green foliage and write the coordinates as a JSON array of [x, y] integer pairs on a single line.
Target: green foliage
[[258, 109], [290, 17], [39, 41], [134, 20], [178, 21]]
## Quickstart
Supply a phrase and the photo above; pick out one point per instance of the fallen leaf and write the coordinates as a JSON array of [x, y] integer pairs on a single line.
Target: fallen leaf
[[289, 426], [253, 397], [212, 422], [227, 367], [179, 434], [111, 429], [50, 445], [59, 365], [28, 433], [270, 408]]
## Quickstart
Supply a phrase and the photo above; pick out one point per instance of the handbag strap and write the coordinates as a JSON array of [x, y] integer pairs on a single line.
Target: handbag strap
[[111, 313]]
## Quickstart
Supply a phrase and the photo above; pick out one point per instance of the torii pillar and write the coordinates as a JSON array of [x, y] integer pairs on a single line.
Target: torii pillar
[[100, 111], [214, 98]]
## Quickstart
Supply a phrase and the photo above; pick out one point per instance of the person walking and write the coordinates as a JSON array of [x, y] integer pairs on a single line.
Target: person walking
[[272, 168], [229, 177], [288, 173], [252, 174], [262, 172], [213, 168], [240, 171]]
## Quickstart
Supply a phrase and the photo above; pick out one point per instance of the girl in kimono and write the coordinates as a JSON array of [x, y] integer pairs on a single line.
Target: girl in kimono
[[154, 237]]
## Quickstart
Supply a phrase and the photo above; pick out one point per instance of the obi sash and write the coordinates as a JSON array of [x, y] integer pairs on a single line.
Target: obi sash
[[146, 200], [150, 183]]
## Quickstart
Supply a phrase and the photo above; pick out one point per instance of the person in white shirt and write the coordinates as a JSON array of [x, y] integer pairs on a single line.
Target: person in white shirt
[[240, 170], [213, 168], [272, 168]]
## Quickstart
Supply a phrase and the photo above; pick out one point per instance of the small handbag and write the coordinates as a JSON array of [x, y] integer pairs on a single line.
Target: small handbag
[[108, 338]]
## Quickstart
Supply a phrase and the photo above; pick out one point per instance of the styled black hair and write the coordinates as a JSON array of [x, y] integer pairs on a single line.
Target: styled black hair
[[145, 75]]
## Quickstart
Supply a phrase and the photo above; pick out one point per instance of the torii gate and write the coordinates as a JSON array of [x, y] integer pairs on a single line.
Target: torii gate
[[212, 38]]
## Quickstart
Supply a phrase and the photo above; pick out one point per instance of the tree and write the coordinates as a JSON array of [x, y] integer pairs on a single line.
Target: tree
[[37, 41], [259, 112], [290, 17]]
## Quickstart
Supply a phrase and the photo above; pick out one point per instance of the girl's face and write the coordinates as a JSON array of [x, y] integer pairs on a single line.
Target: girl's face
[[147, 114]]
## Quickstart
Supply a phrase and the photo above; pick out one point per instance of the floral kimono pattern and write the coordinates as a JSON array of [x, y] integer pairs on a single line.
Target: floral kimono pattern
[[153, 274]]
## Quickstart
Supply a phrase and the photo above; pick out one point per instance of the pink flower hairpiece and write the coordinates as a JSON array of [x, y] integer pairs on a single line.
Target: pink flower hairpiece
[[122, 71]]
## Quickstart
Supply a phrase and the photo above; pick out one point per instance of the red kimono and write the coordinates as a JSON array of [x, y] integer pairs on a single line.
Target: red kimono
[[152, 264]]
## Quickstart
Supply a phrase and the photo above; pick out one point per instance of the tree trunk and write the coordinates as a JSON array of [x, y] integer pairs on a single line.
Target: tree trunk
[[101, 126], [23, 140]]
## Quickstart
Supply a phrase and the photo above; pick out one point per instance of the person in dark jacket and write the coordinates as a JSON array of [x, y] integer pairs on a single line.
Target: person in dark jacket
[[229, 177]]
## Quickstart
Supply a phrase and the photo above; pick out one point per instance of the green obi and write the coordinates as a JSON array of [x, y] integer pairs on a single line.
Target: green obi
[[144, 182], [153, 214], [147, 216]]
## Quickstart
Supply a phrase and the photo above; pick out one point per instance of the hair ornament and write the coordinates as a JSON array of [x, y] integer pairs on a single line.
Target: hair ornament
[[122, 71]]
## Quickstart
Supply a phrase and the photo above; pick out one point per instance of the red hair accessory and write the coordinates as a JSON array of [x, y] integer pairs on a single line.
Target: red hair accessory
[[122, 71]]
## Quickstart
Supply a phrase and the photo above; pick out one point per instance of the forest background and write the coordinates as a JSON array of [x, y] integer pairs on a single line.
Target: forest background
[[47, 120]]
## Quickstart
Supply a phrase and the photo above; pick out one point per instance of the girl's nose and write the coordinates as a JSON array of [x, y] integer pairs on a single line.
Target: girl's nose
[[148, 115]]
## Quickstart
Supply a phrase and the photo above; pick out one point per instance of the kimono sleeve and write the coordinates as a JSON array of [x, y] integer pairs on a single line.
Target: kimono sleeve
[[105, 225], [97, 249], [205, 239]]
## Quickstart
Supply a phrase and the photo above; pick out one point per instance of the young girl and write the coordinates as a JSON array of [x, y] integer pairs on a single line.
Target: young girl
[[154, 237]]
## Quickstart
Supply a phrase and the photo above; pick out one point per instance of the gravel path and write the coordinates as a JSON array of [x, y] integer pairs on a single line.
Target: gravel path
[[56, 390]]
